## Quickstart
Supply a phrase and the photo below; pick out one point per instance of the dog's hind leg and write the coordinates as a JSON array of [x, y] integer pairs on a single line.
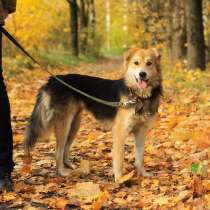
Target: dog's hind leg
[[72, 133], [62, 127]]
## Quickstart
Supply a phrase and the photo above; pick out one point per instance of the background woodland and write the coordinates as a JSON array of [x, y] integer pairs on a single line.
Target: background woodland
[[89, 37]]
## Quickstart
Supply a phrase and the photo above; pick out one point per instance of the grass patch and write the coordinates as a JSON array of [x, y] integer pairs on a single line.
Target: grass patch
[[64, 58], [57, 58], [16, 64]]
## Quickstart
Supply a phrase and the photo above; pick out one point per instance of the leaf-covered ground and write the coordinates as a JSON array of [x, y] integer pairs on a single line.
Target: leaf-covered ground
[[177, 150]]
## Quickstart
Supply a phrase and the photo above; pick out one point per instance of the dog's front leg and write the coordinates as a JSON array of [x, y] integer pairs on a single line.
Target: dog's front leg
[[120, 132], [118, 155], [139, 151]]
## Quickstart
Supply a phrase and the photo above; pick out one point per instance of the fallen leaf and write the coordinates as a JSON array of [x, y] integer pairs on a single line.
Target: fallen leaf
[[180, 134], [126, 177], [201, 139], [60, 203], [10, 196], [206, 184], [102, 199], [84, 167], [26, 164], [120, 201], [197, 186], [173, 122], [161, 200], [85, 190], [183, 196]]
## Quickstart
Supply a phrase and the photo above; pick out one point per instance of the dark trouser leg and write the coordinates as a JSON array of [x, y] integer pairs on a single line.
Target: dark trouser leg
[[6, 141]]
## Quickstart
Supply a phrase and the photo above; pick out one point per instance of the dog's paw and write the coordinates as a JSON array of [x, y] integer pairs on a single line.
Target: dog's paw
[[69, 164], [64, 172], [144, 173], [117, 177]]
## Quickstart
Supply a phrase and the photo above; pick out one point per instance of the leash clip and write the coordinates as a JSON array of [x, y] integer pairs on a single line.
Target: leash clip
[[127, 104]]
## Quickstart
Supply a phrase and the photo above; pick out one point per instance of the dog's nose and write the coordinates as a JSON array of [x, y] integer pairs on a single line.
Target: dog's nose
[[143, 75]]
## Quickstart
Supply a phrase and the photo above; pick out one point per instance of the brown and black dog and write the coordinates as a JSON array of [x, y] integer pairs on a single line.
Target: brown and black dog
[[59, 109]]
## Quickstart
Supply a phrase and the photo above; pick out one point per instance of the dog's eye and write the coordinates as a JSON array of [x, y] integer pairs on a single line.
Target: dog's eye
[[149, 63], [136, 63]]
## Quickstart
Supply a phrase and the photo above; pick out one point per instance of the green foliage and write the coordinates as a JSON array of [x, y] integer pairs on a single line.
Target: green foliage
[[56, 58], [200, 168], [195, 168]]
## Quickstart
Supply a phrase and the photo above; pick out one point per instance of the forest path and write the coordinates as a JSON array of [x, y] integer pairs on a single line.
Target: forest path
[[176, 151]]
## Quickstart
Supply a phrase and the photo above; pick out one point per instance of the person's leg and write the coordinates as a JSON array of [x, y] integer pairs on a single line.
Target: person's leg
[[6, 141]]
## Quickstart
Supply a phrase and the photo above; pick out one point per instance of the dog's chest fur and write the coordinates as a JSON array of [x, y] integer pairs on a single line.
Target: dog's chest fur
[[142, 112]]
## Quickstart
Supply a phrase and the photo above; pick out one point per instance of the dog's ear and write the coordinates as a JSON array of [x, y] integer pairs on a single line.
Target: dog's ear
[[157, 53], [158, 58], [128, 55]]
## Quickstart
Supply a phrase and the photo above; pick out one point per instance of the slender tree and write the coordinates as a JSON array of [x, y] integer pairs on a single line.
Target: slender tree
[[195, 34], [93, 20], [125, 22], [108, 24], [74, 27], [178, 30], [84, 20], [169, 28]]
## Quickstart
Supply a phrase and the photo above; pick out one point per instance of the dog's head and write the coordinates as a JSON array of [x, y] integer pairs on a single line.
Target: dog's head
[[143, 71]]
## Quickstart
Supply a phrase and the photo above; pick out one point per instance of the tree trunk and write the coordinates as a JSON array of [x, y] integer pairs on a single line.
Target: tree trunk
[[195, 35], [108, 23], [179, 31], [74, 27], [125, 23], [169, 28], [84, 13], [93, 20]]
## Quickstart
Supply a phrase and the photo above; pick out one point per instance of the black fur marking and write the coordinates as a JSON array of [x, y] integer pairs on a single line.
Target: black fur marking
[[35, 125], [109, 90], [149, 105]]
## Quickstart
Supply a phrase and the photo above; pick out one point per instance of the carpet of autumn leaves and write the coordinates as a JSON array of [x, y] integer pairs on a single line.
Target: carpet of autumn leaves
[[177, 150]]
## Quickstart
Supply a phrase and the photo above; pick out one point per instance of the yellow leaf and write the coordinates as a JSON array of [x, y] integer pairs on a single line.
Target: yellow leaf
[[10, 196], [102, 199], [201, 139], [120, 201], [60, 203], [85, 167], [26, 165], [85, 190], [162, 200], [181, 134], [173, 122], [126, 177]]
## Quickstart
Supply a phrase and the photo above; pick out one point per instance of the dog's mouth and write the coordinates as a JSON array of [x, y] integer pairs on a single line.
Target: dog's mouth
[[142, 84]]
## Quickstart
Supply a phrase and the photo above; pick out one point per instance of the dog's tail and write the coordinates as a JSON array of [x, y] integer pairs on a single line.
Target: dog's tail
[[39, 122]]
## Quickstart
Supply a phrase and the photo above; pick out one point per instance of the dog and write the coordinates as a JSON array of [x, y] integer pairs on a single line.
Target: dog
[[59, 109]]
